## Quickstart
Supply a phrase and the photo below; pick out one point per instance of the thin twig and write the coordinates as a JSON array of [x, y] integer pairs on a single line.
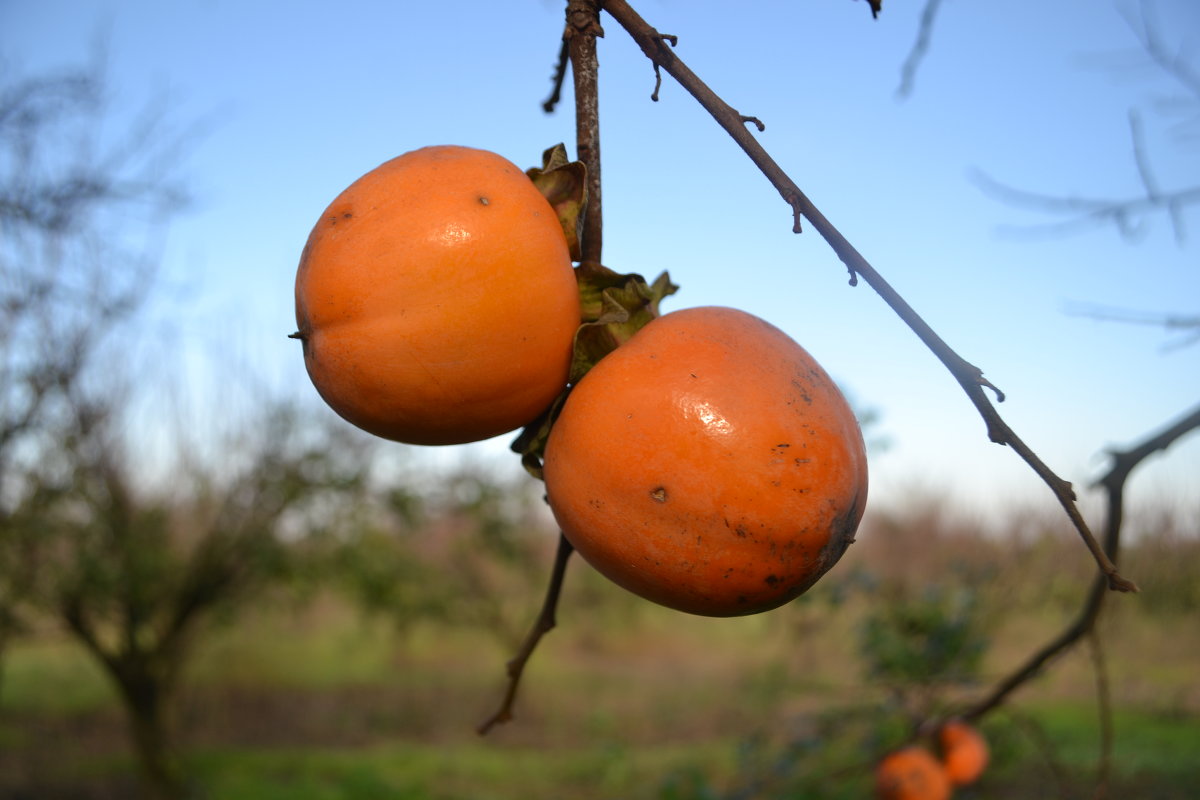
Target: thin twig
[[1113, 483], [560, 74], [1047, 749], [969, 377], [920, 48], [1104, 702], [546, 620]]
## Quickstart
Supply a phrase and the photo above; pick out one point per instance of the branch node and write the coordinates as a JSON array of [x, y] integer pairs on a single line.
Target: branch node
[[984, 382], [1118, 584], [793, 200], [757, 122]]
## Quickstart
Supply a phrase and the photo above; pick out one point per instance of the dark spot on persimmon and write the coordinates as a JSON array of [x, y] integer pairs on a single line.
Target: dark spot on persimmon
[[659, 494], [771, 580], [483, 201]]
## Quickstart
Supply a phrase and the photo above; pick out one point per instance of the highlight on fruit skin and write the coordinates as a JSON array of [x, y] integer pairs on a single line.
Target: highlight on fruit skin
[[965, 752], [911, 773], [708, 464], [436, 300]]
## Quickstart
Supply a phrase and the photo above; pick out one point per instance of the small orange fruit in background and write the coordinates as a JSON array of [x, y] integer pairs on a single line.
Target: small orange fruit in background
[[708, 464], [964, 752], [436, 299], [911, 773]]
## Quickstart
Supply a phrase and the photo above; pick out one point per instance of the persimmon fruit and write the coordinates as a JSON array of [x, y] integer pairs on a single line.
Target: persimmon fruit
[[911, 773], [965, 752], [708, 464], [436, 300]]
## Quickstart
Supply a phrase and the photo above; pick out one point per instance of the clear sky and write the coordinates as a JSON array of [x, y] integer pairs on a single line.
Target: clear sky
[[300, 98]]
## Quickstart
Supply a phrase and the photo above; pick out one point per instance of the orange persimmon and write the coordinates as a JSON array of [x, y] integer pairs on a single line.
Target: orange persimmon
[[708, 464], [964, 752], [911, 773], [436, 299]]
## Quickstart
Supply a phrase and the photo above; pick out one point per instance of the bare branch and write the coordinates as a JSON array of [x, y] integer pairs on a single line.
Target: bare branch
[[560, 74], [546, 621], [1128, 214], [1088, 212], [969, 377], [1104, 704], [1172, 64], [1113, 482], [920, 48], [1188, 323], [583, 27]]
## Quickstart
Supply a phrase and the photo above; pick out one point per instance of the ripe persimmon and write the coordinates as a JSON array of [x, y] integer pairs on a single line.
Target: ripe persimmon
[[911, 773], [964, 752], [708, 464], [436, 299]]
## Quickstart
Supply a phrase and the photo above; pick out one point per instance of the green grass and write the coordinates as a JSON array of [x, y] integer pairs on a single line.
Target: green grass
[[54, 676], [412, 771]]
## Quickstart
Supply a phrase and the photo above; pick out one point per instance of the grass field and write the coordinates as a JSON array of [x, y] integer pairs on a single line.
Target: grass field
[[623, 700]]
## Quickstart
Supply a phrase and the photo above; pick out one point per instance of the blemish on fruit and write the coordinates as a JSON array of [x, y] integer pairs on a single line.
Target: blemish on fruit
[[483, 201], [659, 494], [804, 395], [771, 580]]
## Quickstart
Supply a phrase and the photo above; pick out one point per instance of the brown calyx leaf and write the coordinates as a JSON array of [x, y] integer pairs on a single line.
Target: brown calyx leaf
[[614, 307], [564, 184]]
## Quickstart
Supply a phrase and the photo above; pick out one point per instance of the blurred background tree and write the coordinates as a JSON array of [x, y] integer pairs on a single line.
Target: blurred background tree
[[132, 564]]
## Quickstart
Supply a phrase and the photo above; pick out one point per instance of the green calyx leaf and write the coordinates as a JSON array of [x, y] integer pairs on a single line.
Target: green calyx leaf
[[564, 184], [614, 307]]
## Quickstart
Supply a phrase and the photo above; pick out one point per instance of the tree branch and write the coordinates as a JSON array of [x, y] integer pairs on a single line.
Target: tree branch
[[546, 620], [1113, 482], [908, 72], [1104, 702], [583, 27], [969, 377], [560, 74]]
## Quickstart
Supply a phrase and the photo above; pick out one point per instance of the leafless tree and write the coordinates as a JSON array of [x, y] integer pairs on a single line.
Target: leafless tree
[[79, 206]]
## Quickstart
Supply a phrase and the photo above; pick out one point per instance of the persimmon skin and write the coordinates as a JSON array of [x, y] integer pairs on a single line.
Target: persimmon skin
[[911, 773], [965, 752], [708, 464], [436, 300]]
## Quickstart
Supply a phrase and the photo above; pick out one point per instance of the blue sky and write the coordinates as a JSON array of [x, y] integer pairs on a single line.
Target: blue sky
[[298, 99]]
